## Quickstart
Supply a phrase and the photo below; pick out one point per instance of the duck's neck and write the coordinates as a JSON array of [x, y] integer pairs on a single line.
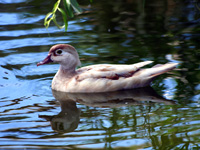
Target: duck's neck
[[66, 71]]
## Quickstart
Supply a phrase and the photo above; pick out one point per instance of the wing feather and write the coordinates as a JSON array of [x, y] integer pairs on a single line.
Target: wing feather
[[107, 71]]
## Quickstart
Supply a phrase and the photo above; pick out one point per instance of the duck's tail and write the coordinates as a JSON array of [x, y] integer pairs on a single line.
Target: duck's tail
[[147, 75], [160, 69]]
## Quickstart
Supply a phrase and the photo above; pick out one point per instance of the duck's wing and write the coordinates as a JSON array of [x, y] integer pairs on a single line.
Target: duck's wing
[[108, 71]]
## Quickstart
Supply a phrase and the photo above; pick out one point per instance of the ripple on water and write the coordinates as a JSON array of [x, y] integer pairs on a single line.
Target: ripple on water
[[25, 92]]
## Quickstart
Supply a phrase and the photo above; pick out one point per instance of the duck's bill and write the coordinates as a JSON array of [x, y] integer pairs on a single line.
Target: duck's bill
[[45, 61]]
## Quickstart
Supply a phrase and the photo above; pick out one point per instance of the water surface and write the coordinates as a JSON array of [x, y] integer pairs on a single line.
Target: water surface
[[165, 116]]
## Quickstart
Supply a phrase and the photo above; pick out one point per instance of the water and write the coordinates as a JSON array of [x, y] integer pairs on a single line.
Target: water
[[165, 116]]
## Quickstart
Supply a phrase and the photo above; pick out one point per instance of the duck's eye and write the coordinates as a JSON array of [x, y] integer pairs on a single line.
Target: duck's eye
[[59, 51]]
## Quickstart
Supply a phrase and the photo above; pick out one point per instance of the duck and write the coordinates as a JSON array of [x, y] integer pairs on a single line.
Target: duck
[[99, 77]]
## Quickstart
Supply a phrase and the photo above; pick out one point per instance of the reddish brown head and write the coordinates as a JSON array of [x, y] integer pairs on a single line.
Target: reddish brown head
[[64, 54]]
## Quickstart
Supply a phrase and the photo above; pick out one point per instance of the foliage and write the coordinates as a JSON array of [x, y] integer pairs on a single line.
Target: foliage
[[66, 12]]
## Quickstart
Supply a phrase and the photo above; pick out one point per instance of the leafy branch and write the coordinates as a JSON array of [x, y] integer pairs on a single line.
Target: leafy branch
[[66, 12]]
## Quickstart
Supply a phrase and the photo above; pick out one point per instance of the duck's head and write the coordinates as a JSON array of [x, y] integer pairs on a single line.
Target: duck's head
[[64, 54]]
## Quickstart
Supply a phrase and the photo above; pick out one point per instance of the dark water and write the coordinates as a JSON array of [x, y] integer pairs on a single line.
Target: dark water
[[166, 116]]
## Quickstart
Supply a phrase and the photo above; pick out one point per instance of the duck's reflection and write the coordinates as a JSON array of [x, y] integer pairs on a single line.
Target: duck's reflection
[[67, 120]]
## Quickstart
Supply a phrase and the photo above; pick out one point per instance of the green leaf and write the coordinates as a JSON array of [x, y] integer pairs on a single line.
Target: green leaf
[[64, 15], [67, 11], [56, 23], [56, 5], [47, 20], [75, 6], [67, 5]]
